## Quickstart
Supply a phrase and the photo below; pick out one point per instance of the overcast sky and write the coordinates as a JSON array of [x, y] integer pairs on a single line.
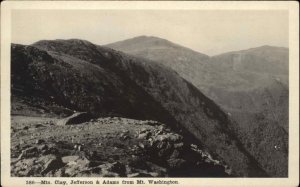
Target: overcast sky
[[207, 31]]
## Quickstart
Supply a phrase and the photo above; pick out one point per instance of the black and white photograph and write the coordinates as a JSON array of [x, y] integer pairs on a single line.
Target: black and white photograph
[[145, 93]]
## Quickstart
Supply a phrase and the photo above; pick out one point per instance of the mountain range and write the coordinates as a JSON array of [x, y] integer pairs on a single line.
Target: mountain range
[[249, 85], [228, 104]]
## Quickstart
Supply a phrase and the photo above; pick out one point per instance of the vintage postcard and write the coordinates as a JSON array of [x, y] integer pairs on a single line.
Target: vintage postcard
[[149, 93]]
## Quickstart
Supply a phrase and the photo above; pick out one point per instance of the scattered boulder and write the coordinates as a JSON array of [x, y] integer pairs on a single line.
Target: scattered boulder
[[114, 169], [41, 148], [154, 174], [25, 167], [82, 161], [161, 127], [178, 145], [37, 166], [67, 159], [133, 175], [158, 169], [106, 173], [125, 131], [141, 145], [169, 137], [91, 172], [140, 174], [39, 141], [60, 173], [124, 135], [76, 166], [51, 163], [152, 123], [143, 130], [29, 152], [144, 135]]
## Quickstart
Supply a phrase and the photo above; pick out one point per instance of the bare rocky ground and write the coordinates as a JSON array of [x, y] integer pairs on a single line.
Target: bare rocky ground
[[105, 147]]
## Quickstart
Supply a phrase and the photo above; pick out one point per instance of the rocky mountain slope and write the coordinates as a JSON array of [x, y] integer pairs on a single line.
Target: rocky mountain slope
[[250, 85], [106, 147], [78, 75]]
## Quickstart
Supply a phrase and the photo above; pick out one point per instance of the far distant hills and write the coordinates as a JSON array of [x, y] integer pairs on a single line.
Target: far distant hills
[[250, 85]]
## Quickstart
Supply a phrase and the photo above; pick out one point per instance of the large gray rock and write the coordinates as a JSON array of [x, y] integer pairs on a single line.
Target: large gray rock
[[50, 163], [115, 167], [76, 166], [24, 168], [29, 152], [37, 166], [67, 159], [76, 118]]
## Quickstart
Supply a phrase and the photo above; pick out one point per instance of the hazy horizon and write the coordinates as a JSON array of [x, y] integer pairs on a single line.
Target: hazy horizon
[[211, 32]]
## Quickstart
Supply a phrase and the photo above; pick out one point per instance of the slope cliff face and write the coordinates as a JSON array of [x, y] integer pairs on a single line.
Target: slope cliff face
[[250, 85], [78, 85], [81, 76]]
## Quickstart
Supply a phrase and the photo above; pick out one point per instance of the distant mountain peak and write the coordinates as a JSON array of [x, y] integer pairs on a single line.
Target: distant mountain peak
[[145, 38], [144, 42]]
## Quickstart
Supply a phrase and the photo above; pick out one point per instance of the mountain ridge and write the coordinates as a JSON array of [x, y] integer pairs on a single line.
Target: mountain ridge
[[155, 38]]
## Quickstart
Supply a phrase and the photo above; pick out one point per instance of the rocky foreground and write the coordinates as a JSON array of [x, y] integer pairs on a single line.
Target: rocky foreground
[[106, 147]]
